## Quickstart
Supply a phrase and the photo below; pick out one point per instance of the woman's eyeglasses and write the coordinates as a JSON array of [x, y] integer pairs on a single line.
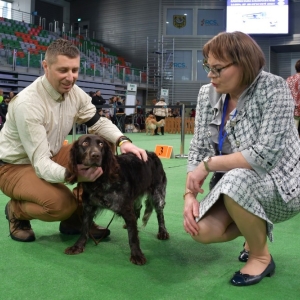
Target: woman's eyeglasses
[[215, 71]]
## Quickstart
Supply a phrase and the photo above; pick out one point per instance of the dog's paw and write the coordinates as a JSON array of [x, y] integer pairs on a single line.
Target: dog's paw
[[163, 235], [138, 259], [74, 250]]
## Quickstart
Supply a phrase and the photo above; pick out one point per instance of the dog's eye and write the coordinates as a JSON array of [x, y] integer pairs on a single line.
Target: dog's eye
[[85, 144], [101, 144]]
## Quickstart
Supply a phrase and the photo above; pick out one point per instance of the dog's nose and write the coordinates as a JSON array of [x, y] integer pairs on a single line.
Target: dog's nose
[[95, 155]]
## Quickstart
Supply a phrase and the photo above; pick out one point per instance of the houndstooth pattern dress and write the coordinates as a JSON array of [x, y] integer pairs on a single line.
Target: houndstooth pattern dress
[[263, 130]]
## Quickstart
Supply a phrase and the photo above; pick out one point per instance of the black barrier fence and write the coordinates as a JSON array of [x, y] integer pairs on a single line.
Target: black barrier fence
[[135, 120]]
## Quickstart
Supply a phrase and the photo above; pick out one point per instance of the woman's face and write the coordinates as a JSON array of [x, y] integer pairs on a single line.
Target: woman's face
[[229, 79]]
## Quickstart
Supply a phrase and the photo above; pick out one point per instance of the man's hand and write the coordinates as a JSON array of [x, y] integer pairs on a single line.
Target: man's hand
[[88, 174], [129, 147]]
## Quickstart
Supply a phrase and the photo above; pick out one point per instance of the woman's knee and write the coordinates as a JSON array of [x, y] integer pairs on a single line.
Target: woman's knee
[[206, 234], [213, 226]]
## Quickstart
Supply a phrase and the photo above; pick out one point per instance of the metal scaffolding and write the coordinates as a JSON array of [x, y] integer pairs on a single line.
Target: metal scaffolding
[[160, 68]]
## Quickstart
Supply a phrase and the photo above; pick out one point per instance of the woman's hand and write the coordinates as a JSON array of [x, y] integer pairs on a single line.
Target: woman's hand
[[129, 147], [190, 212], [195, 179]]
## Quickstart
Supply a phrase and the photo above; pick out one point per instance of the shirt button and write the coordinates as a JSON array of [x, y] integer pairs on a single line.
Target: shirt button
[[237, 143]]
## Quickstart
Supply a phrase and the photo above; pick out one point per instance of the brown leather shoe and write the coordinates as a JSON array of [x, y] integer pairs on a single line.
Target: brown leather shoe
[[98, 232], [19, 230]]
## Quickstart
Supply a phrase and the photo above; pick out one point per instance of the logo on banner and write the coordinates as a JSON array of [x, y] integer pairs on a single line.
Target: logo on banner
[[177, 65], [179, 21], [205, 22]]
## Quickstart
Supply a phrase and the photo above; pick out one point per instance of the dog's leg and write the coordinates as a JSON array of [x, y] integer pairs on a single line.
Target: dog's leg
[[87, 220], [137, 209], [148, 210], [157, 199], [137, 257]]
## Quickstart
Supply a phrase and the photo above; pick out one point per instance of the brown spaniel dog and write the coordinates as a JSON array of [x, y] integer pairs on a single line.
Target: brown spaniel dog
[[121, 187]]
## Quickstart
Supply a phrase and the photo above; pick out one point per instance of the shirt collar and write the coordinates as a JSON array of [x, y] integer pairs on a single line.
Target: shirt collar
[[55, 95]]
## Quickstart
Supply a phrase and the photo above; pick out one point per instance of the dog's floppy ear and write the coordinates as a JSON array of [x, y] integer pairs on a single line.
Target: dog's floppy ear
[[110, 166], [71, 171]]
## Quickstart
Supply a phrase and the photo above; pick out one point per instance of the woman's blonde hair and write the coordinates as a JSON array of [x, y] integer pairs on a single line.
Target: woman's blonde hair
[[239, 48]]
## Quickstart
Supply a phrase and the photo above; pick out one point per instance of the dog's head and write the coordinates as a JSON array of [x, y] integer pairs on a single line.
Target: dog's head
[[150, 118], [91, 151]]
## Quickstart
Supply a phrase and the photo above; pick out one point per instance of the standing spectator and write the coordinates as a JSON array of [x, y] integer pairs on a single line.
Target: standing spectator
[[193, 113], [3, 111], [160, 113], [11, 95], [97, 99], [154, 101], [294, 85], [120, 102], [92, 93], [138, 107], [114, 109], [1, 95]]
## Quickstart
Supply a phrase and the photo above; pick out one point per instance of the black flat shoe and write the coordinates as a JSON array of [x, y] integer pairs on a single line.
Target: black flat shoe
[[244, 255], [240, 279]]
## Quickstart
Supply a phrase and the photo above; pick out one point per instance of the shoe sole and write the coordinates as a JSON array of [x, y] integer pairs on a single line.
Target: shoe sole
[[30, 239]]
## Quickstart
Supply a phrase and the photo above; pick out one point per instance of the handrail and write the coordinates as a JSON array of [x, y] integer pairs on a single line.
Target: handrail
[[113, 72], [106, 70]]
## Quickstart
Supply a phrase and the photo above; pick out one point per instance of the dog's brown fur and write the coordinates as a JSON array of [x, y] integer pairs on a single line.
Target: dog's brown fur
[[120, 188], [151, 124]]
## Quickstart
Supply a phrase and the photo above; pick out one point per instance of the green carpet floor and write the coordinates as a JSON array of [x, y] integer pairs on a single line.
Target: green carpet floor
[[178, 268]]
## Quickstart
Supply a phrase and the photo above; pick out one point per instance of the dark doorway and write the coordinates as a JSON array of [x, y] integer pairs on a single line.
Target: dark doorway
[[50, 12]]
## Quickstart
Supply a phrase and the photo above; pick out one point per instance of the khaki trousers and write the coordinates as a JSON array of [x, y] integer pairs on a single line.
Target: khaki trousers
[[34, 198]]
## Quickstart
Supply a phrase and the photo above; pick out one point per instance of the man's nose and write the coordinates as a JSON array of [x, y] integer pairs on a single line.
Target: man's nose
[[70, 76]]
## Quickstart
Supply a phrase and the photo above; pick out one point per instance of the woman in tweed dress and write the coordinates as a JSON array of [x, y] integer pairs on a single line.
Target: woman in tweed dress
[[245, 134]]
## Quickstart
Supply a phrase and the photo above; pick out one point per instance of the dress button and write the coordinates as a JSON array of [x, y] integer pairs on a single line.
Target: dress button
[[237, 143]]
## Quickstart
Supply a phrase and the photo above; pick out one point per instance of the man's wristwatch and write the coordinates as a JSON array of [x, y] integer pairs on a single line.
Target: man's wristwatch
[[122, 139], [205, 161]]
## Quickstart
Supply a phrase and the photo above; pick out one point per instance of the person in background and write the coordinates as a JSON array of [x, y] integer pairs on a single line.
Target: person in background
[[138, 107], [11, 95], [33, 159], [120, 102], [244, 120], [1, 96], [114, 109], [294, 85], [192, 113], [3, 111], [161, 112], [92, 94], [97, 99], [154, 101]]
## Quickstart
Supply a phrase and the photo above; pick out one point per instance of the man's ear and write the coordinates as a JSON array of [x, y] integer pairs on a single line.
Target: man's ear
[[45, 66]]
